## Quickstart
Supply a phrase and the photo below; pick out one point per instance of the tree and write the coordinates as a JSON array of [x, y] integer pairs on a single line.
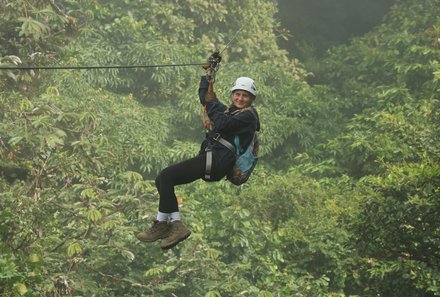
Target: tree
[[79, 151]]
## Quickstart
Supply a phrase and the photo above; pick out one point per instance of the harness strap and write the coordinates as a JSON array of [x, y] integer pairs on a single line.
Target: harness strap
[[227, 144], [208, 164]]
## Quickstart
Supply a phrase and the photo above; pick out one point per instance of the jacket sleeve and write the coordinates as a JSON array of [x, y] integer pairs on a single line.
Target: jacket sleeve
[[227, 123], [203, 90]]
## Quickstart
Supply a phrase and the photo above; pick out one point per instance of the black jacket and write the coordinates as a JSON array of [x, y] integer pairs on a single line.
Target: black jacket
[[228, 123]]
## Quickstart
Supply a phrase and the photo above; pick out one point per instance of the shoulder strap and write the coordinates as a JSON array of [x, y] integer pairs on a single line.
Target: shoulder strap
[[226, 143]]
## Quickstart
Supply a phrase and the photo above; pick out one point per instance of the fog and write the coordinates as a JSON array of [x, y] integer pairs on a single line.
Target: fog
[[315, 25]]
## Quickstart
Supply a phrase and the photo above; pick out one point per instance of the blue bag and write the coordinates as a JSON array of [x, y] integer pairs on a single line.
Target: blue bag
[[245, 161]]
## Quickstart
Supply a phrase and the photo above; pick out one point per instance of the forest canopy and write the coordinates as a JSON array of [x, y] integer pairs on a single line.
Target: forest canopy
[[345, 199]]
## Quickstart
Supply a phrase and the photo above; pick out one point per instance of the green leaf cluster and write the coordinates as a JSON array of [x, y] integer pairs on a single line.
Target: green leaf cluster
[[344, 201]]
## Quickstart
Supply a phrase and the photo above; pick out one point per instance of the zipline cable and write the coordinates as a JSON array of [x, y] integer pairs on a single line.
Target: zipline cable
[[233, 38], [116, 66], [96, 67]]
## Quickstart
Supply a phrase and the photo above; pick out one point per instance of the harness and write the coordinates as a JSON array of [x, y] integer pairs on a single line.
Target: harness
[[218, 138]]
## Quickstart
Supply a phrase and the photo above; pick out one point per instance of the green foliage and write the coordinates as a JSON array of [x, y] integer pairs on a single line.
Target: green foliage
[[399, 132], [399, 55], [386, 81], [344, 201], [397, 231]]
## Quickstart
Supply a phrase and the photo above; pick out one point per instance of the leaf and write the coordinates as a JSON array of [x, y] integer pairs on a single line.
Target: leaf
[[127, 254], [213, 254], [109, 225], [73, 249], [88, 193], [93, 215], [213, 294], [21, 288], [53, 140], [31, 27], [265, 294], [34, 258], [15, 140], [153, 271]]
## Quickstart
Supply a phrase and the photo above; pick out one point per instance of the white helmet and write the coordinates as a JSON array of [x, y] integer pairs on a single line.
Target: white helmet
[[246, 84]]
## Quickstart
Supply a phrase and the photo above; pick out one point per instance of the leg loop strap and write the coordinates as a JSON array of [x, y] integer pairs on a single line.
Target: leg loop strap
[[208, 164]]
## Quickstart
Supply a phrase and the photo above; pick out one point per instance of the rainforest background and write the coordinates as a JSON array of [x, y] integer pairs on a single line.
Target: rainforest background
[[345, 200]]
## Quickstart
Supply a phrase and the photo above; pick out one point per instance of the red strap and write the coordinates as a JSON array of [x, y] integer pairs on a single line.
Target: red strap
[[207, 123]]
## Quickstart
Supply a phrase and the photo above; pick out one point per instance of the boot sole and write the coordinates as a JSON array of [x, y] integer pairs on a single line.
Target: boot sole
[[174, 243], [152, 240], [143, 240]]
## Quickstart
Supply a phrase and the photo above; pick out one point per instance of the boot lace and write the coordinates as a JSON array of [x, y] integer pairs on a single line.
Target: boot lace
[[155, 226]]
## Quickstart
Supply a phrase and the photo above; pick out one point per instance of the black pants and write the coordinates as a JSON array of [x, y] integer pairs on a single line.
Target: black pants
[[188, 171], [178, 174]]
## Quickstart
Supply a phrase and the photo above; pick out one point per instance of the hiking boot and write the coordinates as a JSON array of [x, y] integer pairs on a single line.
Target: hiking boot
[[159, 230], [178, 232]]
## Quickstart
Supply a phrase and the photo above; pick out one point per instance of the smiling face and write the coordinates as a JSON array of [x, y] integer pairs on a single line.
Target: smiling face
[[241, 99]]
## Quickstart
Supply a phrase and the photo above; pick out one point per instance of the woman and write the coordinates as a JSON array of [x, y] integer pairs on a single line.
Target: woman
[[214, 161]]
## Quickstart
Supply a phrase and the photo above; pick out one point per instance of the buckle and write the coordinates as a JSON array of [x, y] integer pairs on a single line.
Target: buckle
[[217, 136]]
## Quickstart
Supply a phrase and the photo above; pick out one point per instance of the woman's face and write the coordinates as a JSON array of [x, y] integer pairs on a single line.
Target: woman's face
[[241, 99]]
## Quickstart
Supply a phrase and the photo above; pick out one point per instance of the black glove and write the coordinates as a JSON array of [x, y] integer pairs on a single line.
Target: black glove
[[214, 59], [212, 66]]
